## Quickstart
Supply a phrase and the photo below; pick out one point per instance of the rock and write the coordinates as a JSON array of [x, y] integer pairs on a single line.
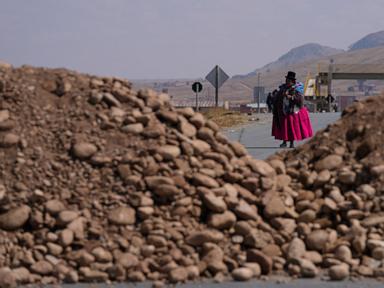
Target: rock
[[378, 253], [93, 275], [373, 220], [200, 237], [221, 221], [9, 140], [187, 129], [347, 177], [339, 272], [204, 180], [198, 120], [260, 258], [244, 211], [122, 216], [67, 216], [296, 249], [66, 237], [256, 270], [111, 100], [135, 128], [169, 152], [21, 275], [15, 218], [166, 190], [343, 253], [54, 206], [261, 167], [7, 278], [200, 146], [242, 274], [102, 255], [84, 150], [307, 268], [330, 162], [42, 267], [239, 149], [179, 274], [127, 260], [275, 207], [317, 240], [4, 115], [215, 204]]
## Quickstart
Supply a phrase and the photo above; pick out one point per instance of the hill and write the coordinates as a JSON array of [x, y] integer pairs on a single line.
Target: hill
[[370, 41], [300, 54]]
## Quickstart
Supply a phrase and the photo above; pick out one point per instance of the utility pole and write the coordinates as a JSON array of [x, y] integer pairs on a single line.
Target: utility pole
[[258, 92], [330, 76]]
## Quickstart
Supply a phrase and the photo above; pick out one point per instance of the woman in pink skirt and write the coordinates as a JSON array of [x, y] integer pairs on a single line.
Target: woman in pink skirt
[[290, 118]]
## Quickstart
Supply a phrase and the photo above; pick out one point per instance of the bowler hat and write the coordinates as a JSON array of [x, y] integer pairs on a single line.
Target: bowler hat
[[291, 75]]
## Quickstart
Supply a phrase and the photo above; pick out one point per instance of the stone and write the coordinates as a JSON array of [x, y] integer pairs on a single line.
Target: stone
[[245, 211], [222, 221], [122, 216], [274, 208], [198, 120], [179, 274], [67, 216], [317, 240], [135, 128], [239, 149], [261, 167], [84, 150], [42, 267], [54, 206], [339, 272], [347, 177], [7, 278], [111, 100], [343, 253], [15, 218], [260, 258], [166, 190], [169, 152], [66, 237], [242, 274], [200, 146], [330, 162], [187, 129], [198, 238], [215, 204], [90, 275], [204, 180], [102, 255], [127, 260], [9, 140], [4, 115], [296, 249], [22, 275], [307, 268]]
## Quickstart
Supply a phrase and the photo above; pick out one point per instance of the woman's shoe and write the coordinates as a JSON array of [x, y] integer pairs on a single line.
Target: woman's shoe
[[291, 145], [283, 145]]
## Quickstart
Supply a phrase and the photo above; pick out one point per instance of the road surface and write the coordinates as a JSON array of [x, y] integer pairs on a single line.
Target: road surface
[[256, 136]]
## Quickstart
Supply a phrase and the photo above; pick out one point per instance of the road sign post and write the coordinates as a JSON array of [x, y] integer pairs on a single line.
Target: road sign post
[[197, 87], [217, 77]]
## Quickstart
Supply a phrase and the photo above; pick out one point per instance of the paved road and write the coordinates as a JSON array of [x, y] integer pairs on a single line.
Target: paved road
[[256, 137]]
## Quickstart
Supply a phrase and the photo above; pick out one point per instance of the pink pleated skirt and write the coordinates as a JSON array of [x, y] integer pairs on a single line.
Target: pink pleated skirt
[[296, 126]]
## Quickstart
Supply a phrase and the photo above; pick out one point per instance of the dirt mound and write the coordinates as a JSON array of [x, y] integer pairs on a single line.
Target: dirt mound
[[102, 183]]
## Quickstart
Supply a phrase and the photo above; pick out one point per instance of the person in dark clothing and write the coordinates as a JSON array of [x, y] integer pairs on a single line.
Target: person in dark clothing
[[270, 102]]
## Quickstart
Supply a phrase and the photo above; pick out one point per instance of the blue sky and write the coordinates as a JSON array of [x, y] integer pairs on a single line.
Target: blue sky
[[153, 39]]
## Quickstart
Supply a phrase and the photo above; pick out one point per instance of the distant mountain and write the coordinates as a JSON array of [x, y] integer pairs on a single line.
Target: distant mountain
[[310, 51], [370, 41]]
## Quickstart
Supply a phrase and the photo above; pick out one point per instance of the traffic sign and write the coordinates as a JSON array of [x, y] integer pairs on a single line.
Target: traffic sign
[[197, 87], [217, 77]]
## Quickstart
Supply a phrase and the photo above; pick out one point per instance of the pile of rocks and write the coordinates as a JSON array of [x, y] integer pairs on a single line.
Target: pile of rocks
[[102, 183]]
